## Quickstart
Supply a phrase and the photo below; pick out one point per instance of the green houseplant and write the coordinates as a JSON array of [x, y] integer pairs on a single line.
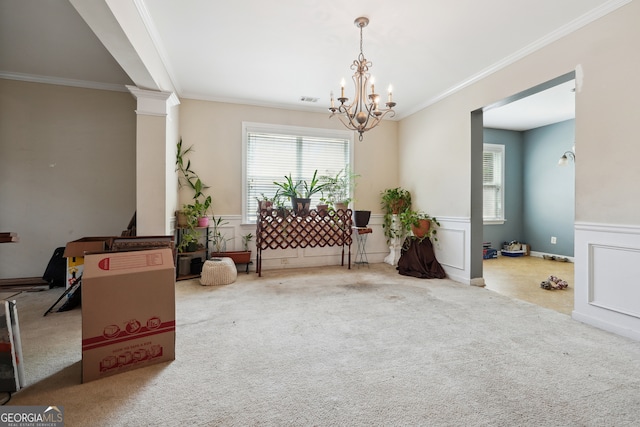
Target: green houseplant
[[219, 244], [288, 188], [193, 214], [339, 187], [300, 192], [266, 202], [217, 239], [196, 212], [245, 241], [393, 201], [418, 225]]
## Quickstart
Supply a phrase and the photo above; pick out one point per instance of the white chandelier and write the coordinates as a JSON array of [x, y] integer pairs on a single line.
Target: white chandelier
[[364, 112]]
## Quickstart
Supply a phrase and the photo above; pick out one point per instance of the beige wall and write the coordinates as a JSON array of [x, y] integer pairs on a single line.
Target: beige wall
[[215, 131], [607, 60], [67, 169]]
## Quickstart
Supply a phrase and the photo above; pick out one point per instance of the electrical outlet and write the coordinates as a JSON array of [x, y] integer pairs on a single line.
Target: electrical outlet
[[553, 240], [284, 261]]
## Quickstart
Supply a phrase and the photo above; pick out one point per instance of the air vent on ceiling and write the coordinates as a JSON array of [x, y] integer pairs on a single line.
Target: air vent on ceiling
[[308, 99]]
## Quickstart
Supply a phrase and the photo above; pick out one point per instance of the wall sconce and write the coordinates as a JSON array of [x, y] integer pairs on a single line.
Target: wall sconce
[[564, 160]]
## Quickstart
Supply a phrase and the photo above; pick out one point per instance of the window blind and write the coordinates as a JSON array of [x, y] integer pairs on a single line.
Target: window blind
[[493, 182], [272, 155]]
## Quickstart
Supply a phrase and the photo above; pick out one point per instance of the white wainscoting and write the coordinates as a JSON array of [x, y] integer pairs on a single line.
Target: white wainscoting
[[607, 277], [451, 249]]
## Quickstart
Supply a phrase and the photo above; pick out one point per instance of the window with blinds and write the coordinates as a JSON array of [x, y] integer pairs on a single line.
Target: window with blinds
[[273, 152], [493, 183]]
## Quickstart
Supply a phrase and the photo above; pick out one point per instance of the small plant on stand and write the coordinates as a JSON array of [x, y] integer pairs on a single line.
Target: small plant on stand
[[245, 241], [394, 201], [265, 202], [288, 188], [217, 239], [188, 242], [339, 188], [417, 225]]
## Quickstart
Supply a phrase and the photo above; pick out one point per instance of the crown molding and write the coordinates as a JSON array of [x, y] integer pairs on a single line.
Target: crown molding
[[34, 78], [153, 102], [572, 26]]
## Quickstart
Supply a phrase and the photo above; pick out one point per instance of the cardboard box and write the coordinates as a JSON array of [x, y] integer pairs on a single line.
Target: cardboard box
[[74, 253], [128, 311]]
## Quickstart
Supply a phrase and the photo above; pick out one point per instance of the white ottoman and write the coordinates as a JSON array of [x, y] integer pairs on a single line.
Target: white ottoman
[[218, 271]]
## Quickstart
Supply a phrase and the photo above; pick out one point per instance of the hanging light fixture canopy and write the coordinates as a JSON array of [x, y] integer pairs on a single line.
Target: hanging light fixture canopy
[[364, 113]]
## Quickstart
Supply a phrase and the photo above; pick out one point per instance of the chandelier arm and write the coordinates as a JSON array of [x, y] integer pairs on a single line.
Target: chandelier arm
[[345, 113]]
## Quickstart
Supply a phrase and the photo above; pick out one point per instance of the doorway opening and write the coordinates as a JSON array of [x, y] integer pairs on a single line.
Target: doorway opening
[[536, 127]]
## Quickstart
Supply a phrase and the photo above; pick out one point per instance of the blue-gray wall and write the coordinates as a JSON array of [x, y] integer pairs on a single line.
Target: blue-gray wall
[[539, 194], [512, 229]]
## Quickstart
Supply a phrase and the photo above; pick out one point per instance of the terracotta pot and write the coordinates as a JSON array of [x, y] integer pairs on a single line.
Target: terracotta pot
[[397, 206], [265, 204], [238, 257], [422, 229], [322, 209]]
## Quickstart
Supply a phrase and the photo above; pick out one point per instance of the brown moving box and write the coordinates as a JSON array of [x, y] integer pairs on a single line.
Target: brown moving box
[[128, 311]]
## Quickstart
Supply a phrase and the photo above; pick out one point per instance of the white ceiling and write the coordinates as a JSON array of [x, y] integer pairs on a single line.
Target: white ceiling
[[273, 52], [552, 105]]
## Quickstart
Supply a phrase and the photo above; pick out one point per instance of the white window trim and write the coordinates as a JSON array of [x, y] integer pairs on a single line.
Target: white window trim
[[248, 127], [497, 148]]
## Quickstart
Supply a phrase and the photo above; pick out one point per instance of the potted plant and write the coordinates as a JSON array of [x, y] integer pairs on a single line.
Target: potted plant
[[323, 206], [265, 202], [189, 235], [420, 224], [188, 241], [187, 177], [339, 188], [278, 204], [301, 192], [201, 204], [219, 244], [394, 201], [217, 239], [288, 188], [245, 241], [308, 190]]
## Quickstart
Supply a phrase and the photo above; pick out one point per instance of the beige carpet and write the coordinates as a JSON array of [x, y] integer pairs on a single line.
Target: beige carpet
[[337, 347]]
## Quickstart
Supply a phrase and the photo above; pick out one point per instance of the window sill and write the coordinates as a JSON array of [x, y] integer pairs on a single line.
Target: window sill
[[494, 221]]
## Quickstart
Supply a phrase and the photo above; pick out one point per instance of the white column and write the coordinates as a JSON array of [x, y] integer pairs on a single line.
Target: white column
[[155, 175], [395, 244]]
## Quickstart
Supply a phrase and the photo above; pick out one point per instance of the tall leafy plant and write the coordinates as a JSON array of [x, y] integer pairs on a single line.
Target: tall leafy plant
[[188, 177], [394, 201], [201, 202]]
